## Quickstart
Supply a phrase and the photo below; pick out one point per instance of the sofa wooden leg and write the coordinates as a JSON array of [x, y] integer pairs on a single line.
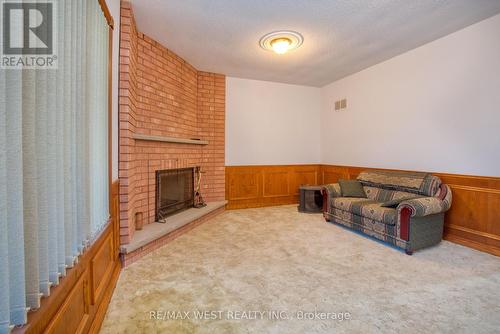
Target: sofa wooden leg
[[409, 252]]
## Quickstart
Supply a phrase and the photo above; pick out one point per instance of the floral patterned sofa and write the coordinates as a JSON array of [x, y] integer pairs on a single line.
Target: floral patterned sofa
[[416, 222]]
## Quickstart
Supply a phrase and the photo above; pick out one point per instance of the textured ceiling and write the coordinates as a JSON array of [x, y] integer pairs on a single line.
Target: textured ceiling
[[340, 37]]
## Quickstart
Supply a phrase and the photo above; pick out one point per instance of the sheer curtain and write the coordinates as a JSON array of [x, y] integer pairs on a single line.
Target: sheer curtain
[[53, 161]]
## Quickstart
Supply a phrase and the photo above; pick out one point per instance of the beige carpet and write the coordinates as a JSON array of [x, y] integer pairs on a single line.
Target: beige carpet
[[281, 263]]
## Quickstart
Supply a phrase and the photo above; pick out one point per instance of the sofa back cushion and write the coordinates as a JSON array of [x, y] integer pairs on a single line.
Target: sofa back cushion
[[424, 184]]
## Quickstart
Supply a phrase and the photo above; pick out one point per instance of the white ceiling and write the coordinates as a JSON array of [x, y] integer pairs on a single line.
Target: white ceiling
[[341, 37]]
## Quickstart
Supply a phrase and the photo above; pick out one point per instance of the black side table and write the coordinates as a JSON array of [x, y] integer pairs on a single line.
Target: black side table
[[310, 199]]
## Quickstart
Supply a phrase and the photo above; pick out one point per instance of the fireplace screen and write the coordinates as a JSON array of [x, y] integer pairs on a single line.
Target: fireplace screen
[[174, 191]]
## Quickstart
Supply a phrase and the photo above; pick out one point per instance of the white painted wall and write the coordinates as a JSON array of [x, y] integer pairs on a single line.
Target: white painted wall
[[114, 8], [270, 123], [435, 108]]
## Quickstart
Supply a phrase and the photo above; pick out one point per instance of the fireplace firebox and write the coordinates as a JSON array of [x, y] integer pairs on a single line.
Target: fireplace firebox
[[174, 191]]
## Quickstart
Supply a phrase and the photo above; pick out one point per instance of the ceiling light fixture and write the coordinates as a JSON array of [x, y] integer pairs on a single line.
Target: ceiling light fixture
[[281, 41], [280, 45]]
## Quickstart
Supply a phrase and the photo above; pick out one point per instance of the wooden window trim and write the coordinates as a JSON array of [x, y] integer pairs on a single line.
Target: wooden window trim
[[107, 13]]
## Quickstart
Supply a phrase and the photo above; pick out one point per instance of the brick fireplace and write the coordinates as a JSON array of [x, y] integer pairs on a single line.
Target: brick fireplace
[[171, 116]]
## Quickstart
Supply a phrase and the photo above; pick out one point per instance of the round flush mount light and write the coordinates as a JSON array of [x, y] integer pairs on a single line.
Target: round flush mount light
[[281, 41]]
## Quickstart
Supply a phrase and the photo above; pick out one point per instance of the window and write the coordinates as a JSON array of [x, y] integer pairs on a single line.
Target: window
[[54, 183]]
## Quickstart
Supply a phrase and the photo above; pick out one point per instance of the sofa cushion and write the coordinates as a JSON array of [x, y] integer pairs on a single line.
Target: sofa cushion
[[418, 183], [384, 195], [352, 188], [368, 226], [393, 203], [345, 203], [367, 208]]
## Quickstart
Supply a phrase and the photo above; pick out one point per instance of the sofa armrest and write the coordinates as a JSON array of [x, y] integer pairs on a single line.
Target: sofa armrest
[[333, 190], [425, 206], [421, 207], [329, 191]]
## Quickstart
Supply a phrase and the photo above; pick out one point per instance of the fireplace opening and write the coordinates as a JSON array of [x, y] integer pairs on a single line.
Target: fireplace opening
[[174, 191]]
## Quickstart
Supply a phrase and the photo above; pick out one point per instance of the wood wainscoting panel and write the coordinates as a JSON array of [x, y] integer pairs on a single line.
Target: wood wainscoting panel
[[101, 268], [275, 183], [257, 186], [332, 174], [304, 176], [73, 316], [242, 185], [474, 217], [78, 304]]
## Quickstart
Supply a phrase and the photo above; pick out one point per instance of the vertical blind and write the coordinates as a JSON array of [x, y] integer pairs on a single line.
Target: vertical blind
[[53, 161]]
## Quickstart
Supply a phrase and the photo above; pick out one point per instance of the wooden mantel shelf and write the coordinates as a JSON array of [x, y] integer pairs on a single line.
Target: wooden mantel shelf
[[138, 136]]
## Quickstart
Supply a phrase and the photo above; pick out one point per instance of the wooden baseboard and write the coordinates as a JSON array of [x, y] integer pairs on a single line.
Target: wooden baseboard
[[484, 242], [472, 221]]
